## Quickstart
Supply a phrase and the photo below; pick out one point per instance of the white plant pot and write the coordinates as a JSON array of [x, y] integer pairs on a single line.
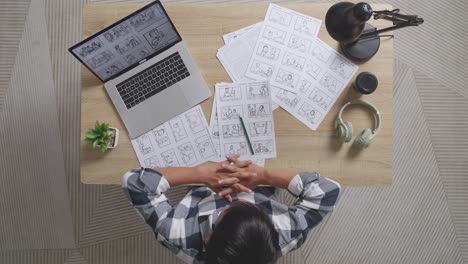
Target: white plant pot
[[115, 132]]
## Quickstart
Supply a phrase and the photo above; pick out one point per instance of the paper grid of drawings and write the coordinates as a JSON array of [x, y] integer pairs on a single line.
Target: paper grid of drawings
[[185, 141], [252, 102], [214, 129], [282, 52], [315, 96]]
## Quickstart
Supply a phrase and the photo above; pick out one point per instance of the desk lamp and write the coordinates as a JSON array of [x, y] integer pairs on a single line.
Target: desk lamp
[[359, 41]]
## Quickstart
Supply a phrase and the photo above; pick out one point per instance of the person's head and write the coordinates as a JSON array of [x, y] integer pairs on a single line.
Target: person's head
[[244, 234]]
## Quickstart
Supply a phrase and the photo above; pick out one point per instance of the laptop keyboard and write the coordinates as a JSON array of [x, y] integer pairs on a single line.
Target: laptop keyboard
[[152, 80]]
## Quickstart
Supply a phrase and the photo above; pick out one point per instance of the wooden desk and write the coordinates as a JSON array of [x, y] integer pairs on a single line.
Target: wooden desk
[[299, 148]]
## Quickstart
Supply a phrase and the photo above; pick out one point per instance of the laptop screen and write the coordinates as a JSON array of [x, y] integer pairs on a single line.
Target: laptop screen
[[124, 44]]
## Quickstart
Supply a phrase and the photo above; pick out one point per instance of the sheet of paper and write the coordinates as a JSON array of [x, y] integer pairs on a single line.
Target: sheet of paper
[[315, 96], [282, 53], [229, 37], [215, 136], [185, 140], [252, 102]]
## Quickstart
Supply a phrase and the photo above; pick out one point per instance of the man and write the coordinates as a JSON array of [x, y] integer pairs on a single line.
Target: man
[[225, 221]]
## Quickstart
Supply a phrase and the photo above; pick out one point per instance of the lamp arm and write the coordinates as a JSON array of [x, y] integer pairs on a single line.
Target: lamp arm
[[399, 21]]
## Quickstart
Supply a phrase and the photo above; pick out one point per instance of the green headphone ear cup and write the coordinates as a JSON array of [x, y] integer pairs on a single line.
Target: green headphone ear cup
[[364, 139], [344, 132]]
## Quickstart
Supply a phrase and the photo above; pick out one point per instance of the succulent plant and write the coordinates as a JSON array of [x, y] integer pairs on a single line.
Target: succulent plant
[[98, 136]]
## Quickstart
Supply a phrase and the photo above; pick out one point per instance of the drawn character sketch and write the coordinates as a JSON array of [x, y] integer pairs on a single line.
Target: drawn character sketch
[[267, 51], [320, 99], [230, 112], [235, 148], [257, 91], [287, 78], [111, 70], [232, 130], [298, 43], [293, 61], [305, 26], [262, 69], [313, 69], [205, 146], [144, 144], [170, 159], [188, 154], [263, 146], [161, 136], [289, 98], [127, 45], [136, 55], [154, 37], [260, 128], [304, 86], [341, 67], [230, 94], [280, 17], [178, 129], [145, 18], [330, 83], [117, 32], [309, 113], [320, 52], [152, 162], [195, 122], [258, 110], [274, 34], [100, 59], [89, 48]]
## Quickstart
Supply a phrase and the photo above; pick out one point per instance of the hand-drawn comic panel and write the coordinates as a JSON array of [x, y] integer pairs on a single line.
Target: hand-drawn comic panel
[[231, 112], [144, 144], [194, 120], [298, 43], [304, 86], [330, 83], [341, 67], [320, 98], [274, 34], [320, 52], [232, 130], [267, 51], [214, 127], [161, 136], [152, 162], [289, 98], [89, 47], [259, 110], [187, 153], [293, 61], [137, 55], [313, 69], [117, 32], [160, 36], [309, 113], [170, 159], [306, 26], [100, 59], [287, 78], [205, 146], [148, 17], [111, 70], [128, 44], [261, 69], [235, 148], [257, 91], [261, 128], [263, 146], [280, 17], [230, 94], [178, 129]]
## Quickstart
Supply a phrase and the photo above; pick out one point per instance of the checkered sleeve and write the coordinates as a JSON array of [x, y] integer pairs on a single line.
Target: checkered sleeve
[[317, 196], [145, 189]]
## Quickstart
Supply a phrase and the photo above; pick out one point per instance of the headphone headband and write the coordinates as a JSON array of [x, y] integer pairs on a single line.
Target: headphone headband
[[366, 104]]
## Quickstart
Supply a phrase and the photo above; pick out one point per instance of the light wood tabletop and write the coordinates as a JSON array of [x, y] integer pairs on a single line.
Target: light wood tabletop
[[299, 148]]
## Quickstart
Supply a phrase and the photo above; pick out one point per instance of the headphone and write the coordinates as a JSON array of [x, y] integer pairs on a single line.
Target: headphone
[[344, 130]]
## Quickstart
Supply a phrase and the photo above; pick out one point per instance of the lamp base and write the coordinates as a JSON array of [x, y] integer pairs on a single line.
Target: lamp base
[[364, 49]]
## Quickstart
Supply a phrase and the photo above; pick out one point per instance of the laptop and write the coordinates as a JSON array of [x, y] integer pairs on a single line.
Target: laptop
[[146, 68]]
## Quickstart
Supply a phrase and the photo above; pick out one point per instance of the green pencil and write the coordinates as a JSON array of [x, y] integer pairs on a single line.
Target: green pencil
[[246, 135]]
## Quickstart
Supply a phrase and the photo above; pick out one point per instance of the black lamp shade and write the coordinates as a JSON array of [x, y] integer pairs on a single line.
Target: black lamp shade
[[345, 21]]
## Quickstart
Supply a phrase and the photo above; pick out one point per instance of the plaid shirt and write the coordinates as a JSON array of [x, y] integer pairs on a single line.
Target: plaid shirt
[[184, 228]]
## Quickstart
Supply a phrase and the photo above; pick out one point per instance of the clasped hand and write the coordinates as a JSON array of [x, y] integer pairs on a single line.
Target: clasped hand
[[231, 176]]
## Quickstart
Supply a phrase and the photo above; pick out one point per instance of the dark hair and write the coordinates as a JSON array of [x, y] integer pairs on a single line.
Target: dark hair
[[244, 235]]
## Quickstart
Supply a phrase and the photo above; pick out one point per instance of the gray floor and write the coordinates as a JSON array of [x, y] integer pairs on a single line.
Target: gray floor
[[48, 216]]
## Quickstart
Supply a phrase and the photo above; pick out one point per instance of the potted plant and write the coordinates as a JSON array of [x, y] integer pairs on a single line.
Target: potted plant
[[102, 136]]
